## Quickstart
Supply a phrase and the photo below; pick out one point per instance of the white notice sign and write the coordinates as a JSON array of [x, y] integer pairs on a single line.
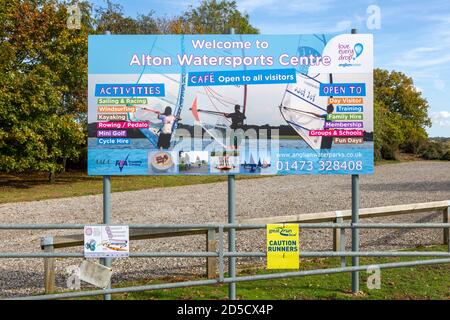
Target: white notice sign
[[106, 241]]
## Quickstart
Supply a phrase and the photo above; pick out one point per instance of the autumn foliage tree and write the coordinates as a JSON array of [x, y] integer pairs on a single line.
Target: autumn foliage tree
[[216, 17], [112, 19], [42, 87], [401, 115]]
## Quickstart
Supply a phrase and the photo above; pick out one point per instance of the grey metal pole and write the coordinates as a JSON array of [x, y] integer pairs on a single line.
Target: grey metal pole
[[355, 231], [107, 262], [232, 231], [355, 219], [232, 234], [107, 220]]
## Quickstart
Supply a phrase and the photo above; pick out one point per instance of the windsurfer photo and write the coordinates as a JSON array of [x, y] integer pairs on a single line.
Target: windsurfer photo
[[237, 118], [326, 142], [237, 122], [221, 112], [165, 132]]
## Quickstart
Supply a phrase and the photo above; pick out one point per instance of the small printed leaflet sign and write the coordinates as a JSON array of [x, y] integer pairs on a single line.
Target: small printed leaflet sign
[[282, 246], [106, 241], [230, 104]]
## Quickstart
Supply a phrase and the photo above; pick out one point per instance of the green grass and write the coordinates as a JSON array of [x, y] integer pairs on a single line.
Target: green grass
[[422, 282], [15, 188]]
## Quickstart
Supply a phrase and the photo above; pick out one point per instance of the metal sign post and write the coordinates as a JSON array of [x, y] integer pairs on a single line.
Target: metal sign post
[[355, 219], [107, 262], [232, 232], [107, 220], [355, 231]]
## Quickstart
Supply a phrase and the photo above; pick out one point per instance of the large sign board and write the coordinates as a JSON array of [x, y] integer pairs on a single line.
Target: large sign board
[[230, 104]]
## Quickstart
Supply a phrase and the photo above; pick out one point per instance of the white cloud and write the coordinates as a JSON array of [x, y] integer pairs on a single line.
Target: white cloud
[[441, 118], [429, 47], [439, 84], [250, 5], [422, 57], [285, 7], [437, 18], [423, 61], [343, 25], [430, 77], [303, 27], [309, 6]]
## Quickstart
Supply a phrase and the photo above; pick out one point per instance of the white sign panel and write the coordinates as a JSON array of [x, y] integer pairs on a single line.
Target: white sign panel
[[106, 241], [230, 104]]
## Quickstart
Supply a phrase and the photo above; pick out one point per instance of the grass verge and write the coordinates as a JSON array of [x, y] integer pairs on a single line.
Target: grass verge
[[32, 187]]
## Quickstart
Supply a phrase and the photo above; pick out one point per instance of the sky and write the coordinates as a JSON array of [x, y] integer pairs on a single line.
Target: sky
[[413, 35]]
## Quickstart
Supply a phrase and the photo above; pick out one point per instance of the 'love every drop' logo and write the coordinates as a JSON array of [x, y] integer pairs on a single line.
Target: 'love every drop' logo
[[348, 54], [358, 48]]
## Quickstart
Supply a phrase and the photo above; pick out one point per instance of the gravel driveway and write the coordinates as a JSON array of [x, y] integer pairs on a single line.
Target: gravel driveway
[[391, 184]]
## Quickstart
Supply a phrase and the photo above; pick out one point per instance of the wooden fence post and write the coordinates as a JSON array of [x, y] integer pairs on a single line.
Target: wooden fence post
[[447, 230], [339, 237], [49, 265], [338, 233], [211, 246]]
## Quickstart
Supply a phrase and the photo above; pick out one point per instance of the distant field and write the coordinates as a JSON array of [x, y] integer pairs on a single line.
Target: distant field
[[15, 188]]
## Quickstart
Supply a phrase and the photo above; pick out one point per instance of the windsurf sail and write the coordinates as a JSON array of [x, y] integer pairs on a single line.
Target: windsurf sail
[[302, 107], [211, 107], [149, 112], [175, 86], [244, 102], [212, 104], [181, 92]]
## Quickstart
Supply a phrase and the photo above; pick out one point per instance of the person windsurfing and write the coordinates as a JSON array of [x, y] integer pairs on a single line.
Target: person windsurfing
[[326, 141], [237, 121], [165, 134], [237, 118]]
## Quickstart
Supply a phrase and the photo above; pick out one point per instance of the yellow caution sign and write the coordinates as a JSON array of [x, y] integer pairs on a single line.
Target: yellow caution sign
[[282, 246]]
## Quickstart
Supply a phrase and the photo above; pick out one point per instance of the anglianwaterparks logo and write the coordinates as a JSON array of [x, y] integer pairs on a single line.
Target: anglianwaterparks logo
[[283, 232], [348, 54]]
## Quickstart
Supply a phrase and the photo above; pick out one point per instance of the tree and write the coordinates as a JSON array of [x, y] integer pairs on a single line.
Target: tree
[[215, 17], [401, 114], [113, 20], [388, 135], [43, 66]]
